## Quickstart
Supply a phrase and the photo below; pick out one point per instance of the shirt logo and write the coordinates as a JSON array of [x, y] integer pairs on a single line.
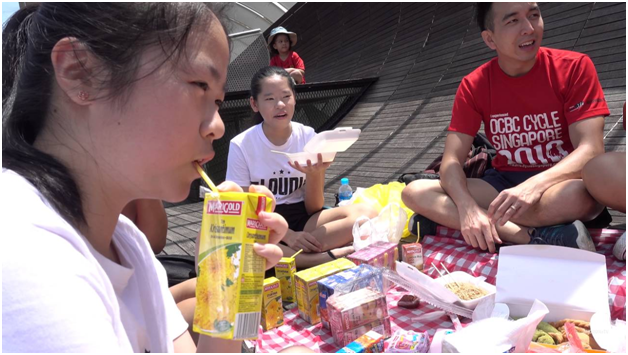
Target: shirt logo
[[576, 106]]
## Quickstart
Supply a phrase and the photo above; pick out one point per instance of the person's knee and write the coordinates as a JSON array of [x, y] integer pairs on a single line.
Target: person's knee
[[363, 209], [585, 206], [414, 195]]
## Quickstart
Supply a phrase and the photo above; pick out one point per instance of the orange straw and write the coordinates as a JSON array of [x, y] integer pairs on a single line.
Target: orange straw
[[206, 178]]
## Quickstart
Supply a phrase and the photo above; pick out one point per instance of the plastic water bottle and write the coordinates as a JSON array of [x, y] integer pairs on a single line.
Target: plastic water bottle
[[344, 192]]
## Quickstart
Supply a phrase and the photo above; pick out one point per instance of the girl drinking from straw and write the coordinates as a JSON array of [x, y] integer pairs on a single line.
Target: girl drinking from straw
[[322, 234], [104, 103]]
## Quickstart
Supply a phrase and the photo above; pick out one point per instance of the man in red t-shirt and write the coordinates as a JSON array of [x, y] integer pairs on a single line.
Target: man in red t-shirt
[[543, 110]]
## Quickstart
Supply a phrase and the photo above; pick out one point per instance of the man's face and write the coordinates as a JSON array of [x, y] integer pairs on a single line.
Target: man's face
[[517, 31]]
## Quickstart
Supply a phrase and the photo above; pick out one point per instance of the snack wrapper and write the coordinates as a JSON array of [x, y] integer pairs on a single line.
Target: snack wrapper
[[344, 282], [407, 341], [371, 342], [284, 271], [230, 273], [307, 287]]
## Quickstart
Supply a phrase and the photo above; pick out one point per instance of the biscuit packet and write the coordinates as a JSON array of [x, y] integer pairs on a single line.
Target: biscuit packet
[[230, 279]]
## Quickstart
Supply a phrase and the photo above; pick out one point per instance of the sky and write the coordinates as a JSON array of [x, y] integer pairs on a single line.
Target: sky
[[8, 8]]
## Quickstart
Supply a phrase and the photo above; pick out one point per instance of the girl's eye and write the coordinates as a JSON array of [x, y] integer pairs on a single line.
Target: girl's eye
[[269, 99], [202, 85], [286, 97]]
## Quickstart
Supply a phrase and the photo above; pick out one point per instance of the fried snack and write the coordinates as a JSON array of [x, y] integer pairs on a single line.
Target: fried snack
[[466, 291], [558, 337], [546, 327], [542, 337], [577, 323]]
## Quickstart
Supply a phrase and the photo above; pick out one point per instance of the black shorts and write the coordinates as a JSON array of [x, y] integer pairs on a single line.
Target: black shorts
[[502, 180], [295, 214]]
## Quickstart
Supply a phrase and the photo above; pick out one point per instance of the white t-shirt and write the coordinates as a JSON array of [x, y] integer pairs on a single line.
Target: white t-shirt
[[60, 295], [251, 162]]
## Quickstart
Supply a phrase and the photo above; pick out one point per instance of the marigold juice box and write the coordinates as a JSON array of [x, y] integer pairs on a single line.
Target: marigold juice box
[[284, 271], [413, 254], [230, 273], [307, 287], [272, 310]]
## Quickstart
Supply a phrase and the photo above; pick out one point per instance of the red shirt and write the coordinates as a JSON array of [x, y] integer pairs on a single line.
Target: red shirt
[[527, 118], [293, 61]]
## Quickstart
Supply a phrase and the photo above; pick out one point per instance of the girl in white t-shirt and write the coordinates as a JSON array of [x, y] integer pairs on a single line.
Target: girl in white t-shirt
[[322, 234], [104, 103]]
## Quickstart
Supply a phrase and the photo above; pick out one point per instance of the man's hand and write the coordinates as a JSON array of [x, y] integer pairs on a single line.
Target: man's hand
[[275, 222], [309, 168], [514, 202], [477, 229], [303, 240]]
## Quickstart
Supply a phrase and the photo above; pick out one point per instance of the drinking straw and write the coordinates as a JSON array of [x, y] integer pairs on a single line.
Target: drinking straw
[[206, 178], [297, 253]]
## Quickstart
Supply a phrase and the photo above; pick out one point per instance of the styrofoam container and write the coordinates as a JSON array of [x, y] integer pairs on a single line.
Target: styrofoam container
[[461, 276], [327, 143]]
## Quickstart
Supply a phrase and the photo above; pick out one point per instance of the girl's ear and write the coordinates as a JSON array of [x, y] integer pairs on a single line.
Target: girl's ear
[[74, 67], [253, 104]]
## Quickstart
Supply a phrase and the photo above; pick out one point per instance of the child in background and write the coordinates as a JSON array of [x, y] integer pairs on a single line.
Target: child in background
[[280, 43], [322, 234]]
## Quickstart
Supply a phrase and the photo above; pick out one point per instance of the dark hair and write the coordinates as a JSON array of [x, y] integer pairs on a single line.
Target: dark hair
[[273, 51], [483, 15], [115, 33], [256, 85]]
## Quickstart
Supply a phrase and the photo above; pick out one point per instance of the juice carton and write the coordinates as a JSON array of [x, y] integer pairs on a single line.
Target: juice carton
[[345, 337], [355, 278], [307, 287], [356, 308], [371, 342], [380, 254], [284, 271], [413, 254], [230, 273], [272, 310]]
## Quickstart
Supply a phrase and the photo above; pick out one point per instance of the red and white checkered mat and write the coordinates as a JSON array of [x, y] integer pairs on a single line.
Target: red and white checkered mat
[[449, 248]]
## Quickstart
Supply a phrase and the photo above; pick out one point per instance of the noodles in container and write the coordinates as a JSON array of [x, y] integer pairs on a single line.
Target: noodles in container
[[230, 273]]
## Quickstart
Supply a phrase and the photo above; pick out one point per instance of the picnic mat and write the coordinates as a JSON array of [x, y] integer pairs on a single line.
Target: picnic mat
[[447, 247]]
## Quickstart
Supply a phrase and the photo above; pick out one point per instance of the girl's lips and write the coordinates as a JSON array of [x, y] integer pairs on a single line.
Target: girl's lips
[[205, 160]]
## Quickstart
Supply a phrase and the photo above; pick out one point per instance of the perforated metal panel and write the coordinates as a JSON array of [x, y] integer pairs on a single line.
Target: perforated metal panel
[[242, 69]]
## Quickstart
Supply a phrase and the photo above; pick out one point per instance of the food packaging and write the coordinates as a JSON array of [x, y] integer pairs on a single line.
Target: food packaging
[[307, 287], [349, 280], [412, 254], [380, 254], [327, 143], [353, 314], [230, 273], [272, 310], [284, 271], [462, 277], [407, 341], [371, 342]]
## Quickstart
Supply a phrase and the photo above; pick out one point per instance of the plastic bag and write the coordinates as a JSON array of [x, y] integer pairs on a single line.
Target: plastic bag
[[388, 226], [381, 195]]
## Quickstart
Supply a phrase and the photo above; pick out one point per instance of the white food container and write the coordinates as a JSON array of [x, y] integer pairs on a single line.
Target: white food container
[[327, 143], [461, 276]]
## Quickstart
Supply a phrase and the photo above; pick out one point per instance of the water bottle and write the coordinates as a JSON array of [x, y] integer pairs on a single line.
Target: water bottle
[[344, 192]]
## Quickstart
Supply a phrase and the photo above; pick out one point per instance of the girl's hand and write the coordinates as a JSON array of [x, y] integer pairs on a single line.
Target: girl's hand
[[275, 222], [319, 167]]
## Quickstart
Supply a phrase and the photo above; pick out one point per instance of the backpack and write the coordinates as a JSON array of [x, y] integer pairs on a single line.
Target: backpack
[[478, 161], [179, 268]]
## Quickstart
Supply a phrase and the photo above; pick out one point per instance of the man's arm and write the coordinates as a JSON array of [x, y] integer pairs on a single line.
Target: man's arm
[[586, 137], [475, 225]]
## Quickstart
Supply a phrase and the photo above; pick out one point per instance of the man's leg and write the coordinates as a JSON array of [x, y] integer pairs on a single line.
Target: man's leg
[[605, 178]]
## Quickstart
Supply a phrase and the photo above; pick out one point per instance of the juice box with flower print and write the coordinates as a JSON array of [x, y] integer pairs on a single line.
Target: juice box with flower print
[[284, 271], [272, 310], [230, 273]]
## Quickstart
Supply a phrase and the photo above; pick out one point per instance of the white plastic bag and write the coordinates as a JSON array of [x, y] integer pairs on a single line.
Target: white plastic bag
[[387, 227]]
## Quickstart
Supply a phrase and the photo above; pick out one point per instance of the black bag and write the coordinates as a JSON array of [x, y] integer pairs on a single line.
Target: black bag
[[478, 161], [179, 268]]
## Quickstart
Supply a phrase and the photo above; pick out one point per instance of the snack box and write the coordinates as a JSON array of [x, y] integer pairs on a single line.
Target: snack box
[[371, 342], [461, 276], [345, 337], [380, 254], [358, 277], [327, 143], [572, 283], [284, 271], [230, 273], [412, 254], [307, 287], [407, 341], [272, 310]]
